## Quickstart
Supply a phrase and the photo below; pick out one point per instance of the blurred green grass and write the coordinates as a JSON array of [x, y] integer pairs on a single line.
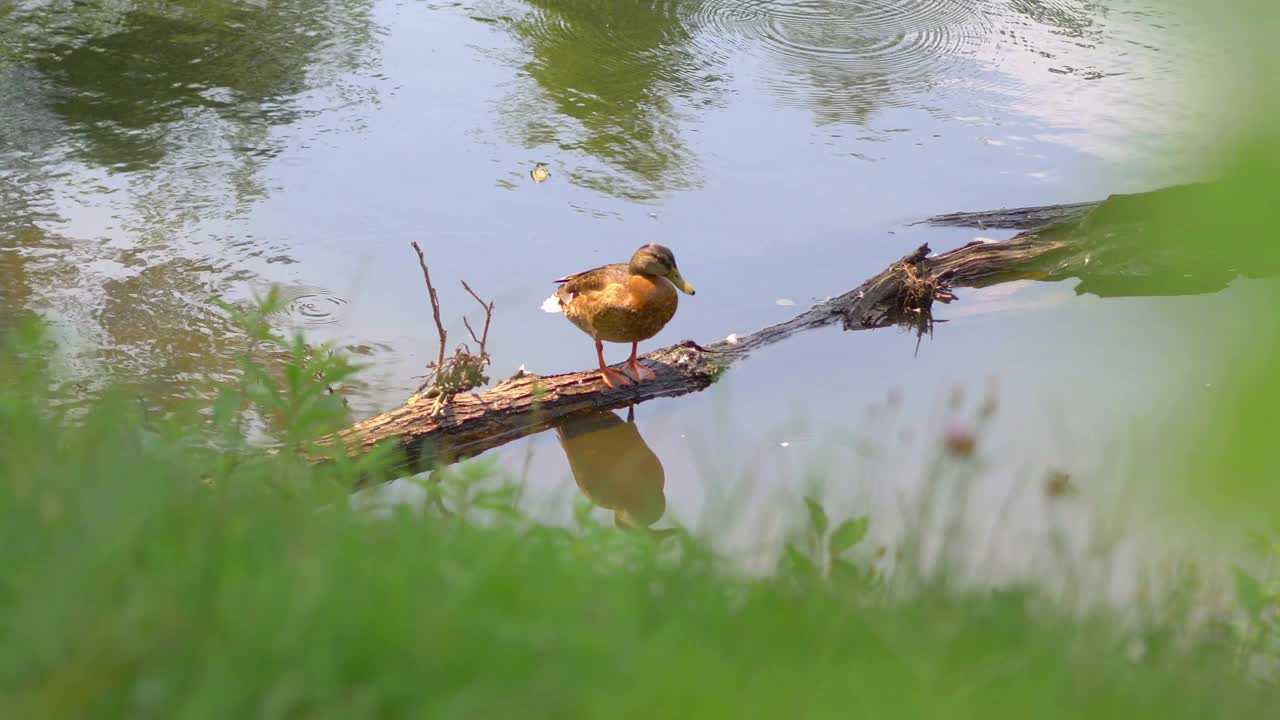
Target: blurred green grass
[[162, 567], [1228, 467]]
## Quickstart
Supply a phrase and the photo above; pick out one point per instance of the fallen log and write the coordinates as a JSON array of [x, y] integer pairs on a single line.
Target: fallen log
[[1110, 247], [902, 294], [1027, 218], [1116, 209]]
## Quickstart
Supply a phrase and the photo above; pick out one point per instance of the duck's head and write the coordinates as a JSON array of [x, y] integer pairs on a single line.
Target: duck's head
[[657, 260]]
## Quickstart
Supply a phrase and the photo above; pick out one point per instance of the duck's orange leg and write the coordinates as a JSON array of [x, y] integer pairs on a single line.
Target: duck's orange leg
[[608, 374], [641, 372]]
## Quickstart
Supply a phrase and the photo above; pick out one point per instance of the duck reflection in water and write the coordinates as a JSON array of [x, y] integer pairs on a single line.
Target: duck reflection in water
[[613, 466]]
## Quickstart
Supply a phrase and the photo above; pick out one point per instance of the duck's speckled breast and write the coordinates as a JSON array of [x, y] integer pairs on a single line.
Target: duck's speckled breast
[[628, 312]]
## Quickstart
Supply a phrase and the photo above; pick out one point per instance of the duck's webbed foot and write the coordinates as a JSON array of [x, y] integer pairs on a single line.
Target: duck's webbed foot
[[640, 372], [615, 378]]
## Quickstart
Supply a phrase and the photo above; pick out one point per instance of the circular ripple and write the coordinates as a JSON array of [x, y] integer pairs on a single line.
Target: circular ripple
[[850, 56], [841, 28], [310, 306]]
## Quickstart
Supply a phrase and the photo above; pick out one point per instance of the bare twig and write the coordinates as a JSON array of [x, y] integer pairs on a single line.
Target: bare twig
[[435, 303], [488, 316], [464, 370], [467, 324]]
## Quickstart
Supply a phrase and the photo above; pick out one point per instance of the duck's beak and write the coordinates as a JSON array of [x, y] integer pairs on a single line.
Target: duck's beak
[[681, 284]]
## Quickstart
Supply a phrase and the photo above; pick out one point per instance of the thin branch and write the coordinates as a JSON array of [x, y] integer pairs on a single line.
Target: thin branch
[[488, 316], [435, 303], [467, 324]]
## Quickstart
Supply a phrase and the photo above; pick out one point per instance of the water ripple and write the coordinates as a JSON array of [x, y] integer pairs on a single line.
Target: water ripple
[[859, 54], [310, 306]]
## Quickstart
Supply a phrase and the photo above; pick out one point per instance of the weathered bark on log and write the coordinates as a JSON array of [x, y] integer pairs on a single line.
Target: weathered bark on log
[[1028, 218], [526, 404], [1115, 210]]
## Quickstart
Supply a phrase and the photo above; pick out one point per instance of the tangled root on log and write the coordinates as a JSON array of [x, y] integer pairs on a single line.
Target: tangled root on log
[[909, 302], [920, 289]]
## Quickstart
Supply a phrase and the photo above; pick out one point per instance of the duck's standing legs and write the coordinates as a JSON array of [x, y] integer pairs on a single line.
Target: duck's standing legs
[[608, 374], [641, 372]]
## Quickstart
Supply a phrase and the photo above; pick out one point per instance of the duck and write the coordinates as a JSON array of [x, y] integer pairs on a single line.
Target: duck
[[623, 303]]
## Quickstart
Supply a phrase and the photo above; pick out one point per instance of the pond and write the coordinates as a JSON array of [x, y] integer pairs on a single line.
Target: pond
[[155, 155]]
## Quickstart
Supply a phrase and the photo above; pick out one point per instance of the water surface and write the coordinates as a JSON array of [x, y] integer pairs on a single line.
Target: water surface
[[154, 155]]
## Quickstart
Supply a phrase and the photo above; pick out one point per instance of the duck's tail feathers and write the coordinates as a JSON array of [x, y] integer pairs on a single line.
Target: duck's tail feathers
[[552, 304]]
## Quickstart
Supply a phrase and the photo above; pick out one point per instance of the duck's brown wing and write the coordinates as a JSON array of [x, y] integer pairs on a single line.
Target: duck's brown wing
[[594, 280], [572, 276]]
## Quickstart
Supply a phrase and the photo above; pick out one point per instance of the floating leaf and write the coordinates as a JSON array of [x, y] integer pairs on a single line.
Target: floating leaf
[[539, 173], [785, 302], [849, 533], [817, 516]]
